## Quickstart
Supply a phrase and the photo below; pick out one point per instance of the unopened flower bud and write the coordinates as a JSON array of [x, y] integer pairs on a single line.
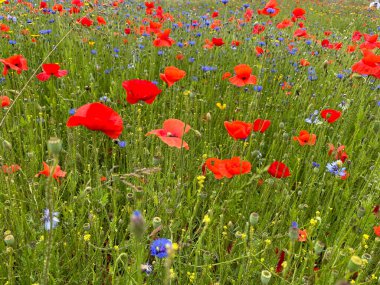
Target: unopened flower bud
[[319, 247], [9, 240], [254, 218], [265, 277], [7, 145], [156, 222], [354, 264], [86, 227], [54, 146]]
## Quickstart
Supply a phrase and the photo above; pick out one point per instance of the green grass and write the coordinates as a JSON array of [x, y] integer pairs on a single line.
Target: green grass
[[160, 181]]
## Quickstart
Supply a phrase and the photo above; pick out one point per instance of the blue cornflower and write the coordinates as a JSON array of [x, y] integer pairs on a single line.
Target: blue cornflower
[[147, 268], [72, 111], [104, 99], [224, 1], [336, 168], [122, 144], [208, 68], [179, 44], [313, 118], [308, 42], [340, 76], [116, 50], [2, 79], [93, 51], [258, 88], [160, 247], [191, 59], [160, 52], [271, 10], [46, 219], [315, 165], [12, 42], [294, 225]]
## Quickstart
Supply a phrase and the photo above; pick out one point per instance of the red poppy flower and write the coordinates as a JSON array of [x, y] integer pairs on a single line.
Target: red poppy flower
[[305, 138], [270, 9], [258, 29], [58, 172], [330, 115], [260, 125], [58, 7], [377, 230], [356, 36], [368, 65], [304, 62], [226, 75], [300, 33], [101, 20], [339, 152], [284, 24], [278, 170], [302, 235], [4, 27], [97, 117], [351, 49], [235, 43], [84, 21], [259, 51], [50, 69], [140, 90], [149, 5], [5, 101], [370, 42], [228, 167], [172, 74], [16, 62], [243, 76], [214, 14], [163, 39], [217, 41], [298, 13], [238, 130], [327, 33], [11, 168], [172, 133]]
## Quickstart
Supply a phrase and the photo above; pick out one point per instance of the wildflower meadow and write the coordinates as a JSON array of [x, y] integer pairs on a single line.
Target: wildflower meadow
[[210, 142]]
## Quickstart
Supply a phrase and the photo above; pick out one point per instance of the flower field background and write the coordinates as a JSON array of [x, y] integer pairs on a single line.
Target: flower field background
[[199, 142]]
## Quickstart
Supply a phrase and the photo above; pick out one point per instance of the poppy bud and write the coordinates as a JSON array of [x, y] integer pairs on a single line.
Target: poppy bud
[[9, 240], [86, 227], [198, 133], [285, 136], [54, 146], [265, 277], [156, 222], [230, 224], [354, 264], [367, 257], [325, 64], [319, 247], [7, 145], [281, 125], [254, 218]]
